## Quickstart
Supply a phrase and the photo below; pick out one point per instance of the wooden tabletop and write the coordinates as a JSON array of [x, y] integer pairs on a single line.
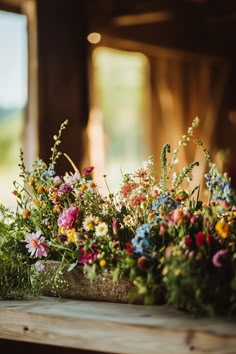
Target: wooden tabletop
[[115, 328]]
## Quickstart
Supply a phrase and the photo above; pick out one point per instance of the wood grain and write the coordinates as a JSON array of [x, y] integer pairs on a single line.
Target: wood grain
[[114, 328]]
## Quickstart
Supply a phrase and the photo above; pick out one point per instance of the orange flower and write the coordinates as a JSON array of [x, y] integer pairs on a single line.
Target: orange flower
[[26, 213]]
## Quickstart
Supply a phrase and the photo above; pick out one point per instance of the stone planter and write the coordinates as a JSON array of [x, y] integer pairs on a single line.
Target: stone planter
[[76, 285]]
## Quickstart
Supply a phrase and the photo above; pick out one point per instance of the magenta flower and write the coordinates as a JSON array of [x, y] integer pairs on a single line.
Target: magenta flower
[[68, 217], [87, 170], [86, 256], [220, 258], [37, 247]]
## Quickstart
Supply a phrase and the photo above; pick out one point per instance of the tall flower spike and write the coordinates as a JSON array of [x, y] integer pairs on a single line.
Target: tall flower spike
[[164, 176]]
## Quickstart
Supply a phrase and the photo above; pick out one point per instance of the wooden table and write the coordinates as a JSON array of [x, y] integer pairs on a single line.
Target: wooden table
[[114, 328]]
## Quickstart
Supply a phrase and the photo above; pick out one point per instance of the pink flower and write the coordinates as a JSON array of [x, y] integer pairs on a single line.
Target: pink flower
[[193, 219], [37, 247], [163, 228], [219, 258], [86, 256], [114, 226], [68, 217]]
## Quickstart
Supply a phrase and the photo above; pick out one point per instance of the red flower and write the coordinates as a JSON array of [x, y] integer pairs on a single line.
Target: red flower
[[200, 239], [127, 188], [137, 200], [129, 248], [187, 241], [143, 263], [209, 239]]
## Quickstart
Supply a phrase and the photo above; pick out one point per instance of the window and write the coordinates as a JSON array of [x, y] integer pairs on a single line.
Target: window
[[13, 98], [119, 116]]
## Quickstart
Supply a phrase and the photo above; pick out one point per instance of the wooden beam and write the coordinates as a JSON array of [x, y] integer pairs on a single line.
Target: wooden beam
[[143, 18], [62, 78]]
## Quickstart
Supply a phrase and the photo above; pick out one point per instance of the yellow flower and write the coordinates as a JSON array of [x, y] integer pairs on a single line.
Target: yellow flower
[[39, 189], [36, 202], [31, 181], [72, 235], [46, 189], [83, 188], [26, 213], [222, 228], [102, 263], [56, 208], [61, 230]]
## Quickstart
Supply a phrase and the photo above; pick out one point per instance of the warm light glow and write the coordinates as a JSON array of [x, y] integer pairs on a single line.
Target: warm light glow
[[232, 117], [94, 37]]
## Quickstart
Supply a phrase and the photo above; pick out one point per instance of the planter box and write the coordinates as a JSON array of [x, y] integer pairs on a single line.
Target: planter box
[[76, 285]]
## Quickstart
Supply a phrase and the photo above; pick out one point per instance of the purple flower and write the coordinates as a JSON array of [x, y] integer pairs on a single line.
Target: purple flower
[[64, 189], [68, 217], [37, 247], [220, 258], [40, 267]]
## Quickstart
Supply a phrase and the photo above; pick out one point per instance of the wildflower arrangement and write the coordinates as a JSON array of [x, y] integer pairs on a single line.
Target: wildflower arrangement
[[156, 232]]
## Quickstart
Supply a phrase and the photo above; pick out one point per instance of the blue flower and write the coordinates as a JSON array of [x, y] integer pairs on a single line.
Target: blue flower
[[165, 200], [141, 242], [49, 173]]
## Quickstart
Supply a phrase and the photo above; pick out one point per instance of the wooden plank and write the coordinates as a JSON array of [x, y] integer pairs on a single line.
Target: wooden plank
[[114, 328], [143, 18]]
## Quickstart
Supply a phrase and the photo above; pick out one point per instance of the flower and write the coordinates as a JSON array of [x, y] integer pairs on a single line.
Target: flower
[[87, 170], [40, 267], [187, 240], [156, 231], [220, 258], [25, 213], [200, 239], [68, 217], [36, 245], [64, 189], [101, 229], [89, 255], [222, 228]]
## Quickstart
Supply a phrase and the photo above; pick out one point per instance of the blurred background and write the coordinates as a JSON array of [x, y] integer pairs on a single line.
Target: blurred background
[[129, 75]]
